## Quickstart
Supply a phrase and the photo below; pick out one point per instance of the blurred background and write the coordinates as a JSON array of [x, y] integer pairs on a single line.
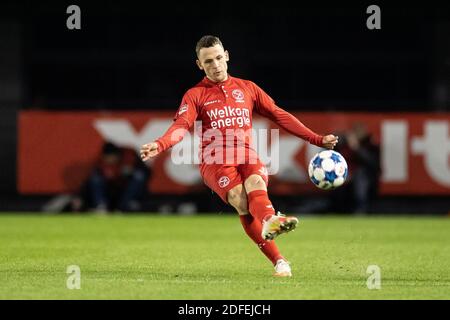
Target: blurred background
[[76, 104]]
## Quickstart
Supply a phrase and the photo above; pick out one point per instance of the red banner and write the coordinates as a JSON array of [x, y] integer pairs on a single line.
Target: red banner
[[57, 150]]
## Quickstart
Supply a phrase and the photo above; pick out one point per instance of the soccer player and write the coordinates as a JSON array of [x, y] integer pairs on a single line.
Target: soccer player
[[225, 104]]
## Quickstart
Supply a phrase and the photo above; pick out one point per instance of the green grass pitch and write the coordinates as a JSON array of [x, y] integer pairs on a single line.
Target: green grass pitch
[[210, 257]]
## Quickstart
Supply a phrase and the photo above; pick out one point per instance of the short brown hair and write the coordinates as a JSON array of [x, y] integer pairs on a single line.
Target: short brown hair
[[207, 42]]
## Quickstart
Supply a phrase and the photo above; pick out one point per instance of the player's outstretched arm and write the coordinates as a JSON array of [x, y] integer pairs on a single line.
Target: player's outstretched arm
[[267, 108], [183, 121], [329, 141], [172, 136], [149, 150]]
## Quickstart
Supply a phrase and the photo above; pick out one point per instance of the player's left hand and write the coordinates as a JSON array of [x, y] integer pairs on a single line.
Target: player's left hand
[[330, 141]]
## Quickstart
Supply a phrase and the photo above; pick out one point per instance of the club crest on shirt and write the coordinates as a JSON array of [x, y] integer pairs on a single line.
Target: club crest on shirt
[[238, 95]]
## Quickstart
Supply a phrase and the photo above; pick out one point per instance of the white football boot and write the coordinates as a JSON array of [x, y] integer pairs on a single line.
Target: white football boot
[[276, 224], [282, 269]]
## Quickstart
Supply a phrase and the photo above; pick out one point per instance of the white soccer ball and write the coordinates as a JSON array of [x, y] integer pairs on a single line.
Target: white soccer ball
[[328, 170]]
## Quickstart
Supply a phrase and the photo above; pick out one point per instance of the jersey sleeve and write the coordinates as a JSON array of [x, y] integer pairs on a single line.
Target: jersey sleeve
[[265, 106], [188, 108], [184, 118]]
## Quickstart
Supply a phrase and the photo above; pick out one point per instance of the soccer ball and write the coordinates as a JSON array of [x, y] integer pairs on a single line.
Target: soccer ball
[[328, 170]]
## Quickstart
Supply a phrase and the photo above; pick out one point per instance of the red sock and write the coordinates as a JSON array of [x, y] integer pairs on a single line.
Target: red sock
[[259, 204], [253, 228]]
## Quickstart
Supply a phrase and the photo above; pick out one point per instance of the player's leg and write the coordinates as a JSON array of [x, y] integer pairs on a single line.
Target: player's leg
[[260, 206], [227, 183], [237, 198], [267, 227]]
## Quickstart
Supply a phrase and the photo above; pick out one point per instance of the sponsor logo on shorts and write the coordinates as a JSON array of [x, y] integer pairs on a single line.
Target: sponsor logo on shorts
[[224, 181]]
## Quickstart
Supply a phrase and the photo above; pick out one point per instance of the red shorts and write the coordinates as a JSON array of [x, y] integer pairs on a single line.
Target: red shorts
[[221, 178]]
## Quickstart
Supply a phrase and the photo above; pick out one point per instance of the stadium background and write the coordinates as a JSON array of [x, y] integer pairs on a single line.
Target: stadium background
[[138, 59]]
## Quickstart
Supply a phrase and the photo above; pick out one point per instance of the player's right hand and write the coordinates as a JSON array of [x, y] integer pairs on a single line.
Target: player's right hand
[[149, 150]]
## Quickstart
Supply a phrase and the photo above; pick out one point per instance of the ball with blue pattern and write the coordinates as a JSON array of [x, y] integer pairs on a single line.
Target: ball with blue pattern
[[328, 169]]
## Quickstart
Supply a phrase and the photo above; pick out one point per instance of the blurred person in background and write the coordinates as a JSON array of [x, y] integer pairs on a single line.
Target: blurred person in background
[[363, 158], [117, 182]]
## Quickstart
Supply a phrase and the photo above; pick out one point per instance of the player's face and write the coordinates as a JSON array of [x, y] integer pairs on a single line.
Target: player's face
[[213, 61]]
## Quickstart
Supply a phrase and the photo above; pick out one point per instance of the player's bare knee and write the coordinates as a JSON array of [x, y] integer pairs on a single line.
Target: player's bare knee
[[242, 207], [239, 204], [233, 196], [255, 182], [238, 199]]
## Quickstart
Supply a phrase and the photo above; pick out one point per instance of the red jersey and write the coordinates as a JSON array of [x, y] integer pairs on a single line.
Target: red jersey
[[226, 108]]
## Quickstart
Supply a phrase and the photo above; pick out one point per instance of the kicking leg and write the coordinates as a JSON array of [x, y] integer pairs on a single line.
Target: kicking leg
[[261, 208]]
